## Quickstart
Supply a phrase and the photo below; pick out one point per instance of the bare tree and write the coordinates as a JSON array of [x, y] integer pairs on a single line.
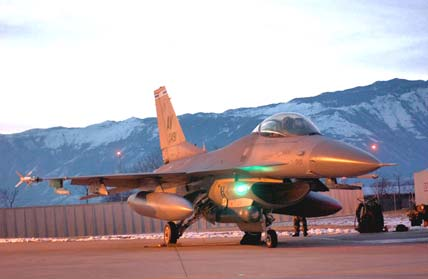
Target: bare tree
[[398, 184], [150, 162], [8, 196], [380, 188]]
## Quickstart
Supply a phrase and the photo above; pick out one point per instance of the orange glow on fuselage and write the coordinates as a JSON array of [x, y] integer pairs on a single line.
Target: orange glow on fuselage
[[339, 160]]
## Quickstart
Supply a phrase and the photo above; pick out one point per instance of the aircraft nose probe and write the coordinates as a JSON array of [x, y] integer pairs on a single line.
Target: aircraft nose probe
[[332, 158]]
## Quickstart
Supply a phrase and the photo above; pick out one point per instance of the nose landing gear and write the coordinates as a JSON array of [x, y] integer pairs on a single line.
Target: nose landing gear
[[271, 240], [270, 236]]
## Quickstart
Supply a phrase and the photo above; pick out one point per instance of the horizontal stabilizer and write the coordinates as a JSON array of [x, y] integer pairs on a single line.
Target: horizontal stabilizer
[[331, 183], [91, 196], [368, 176], [344, 187]]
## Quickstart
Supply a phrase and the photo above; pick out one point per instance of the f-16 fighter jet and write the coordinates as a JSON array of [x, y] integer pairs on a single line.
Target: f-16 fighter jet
[[281, 168]]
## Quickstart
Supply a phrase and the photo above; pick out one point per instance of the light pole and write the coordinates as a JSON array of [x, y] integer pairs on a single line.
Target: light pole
[[119, 155]]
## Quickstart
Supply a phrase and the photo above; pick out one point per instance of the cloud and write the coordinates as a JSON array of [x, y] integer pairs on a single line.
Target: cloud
[[83, 53], [14, 30]]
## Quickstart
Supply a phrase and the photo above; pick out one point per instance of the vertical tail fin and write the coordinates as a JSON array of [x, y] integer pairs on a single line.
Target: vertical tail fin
[[172, 140]]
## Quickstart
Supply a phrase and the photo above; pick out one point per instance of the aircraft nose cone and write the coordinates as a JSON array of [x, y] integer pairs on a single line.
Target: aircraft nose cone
[[332, 158]]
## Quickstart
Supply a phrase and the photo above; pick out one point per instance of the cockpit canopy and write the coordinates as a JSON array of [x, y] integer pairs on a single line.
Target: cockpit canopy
[[286, 124]]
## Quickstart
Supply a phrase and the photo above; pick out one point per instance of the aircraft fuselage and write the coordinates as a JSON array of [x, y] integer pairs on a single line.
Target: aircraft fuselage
[[313, 156]]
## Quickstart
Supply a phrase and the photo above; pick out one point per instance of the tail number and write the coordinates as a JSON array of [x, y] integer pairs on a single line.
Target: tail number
[[169, 122]]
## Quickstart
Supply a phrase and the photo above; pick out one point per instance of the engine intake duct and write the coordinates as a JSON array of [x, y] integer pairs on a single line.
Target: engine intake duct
[[313, 205]]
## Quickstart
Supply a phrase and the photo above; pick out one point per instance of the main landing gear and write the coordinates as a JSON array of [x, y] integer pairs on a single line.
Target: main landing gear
[[173, 231], [170, 233]]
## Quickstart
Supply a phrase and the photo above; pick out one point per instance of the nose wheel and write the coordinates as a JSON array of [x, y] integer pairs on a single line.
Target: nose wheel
[[271, 240]]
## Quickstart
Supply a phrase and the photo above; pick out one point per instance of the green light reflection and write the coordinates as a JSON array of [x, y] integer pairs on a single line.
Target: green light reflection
[[241, 188], [257, 168]]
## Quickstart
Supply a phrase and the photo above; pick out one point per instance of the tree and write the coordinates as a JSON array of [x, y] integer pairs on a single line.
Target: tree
[[150, 162], [398, 184], [380, 188], [8, 196]]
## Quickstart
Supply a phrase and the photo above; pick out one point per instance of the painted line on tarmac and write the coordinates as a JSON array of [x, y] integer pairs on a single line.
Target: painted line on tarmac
[[394, 241], [379, 241]]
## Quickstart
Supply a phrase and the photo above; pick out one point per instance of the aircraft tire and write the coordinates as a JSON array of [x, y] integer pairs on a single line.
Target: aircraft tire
[[170, 233], [251, 238], [271, 239]]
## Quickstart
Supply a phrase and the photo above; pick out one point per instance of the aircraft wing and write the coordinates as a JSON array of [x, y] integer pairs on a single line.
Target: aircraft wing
[[129, 180], [117, 183], [151, 180]]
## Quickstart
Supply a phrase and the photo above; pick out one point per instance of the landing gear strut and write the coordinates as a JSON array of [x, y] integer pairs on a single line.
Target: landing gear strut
[[271, 238], [172, 231]]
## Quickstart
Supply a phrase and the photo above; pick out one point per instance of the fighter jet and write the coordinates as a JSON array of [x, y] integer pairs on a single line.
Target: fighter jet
[[279, 168]]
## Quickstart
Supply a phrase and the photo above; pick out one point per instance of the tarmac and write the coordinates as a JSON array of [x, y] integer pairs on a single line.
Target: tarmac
[[379, 255]]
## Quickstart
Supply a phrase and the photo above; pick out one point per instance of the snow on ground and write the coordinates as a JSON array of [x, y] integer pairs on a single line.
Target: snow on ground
[[320, 226], [390, 221]]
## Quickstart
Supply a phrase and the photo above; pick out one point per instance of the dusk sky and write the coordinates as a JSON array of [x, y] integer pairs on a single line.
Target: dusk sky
[[76, 63]]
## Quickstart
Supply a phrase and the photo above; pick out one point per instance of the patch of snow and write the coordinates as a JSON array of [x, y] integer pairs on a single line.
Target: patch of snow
[[306, 109], [393, 241], [393, 113], [418, 100], [336, 225], [94, 135], [336, 125], [152, 132], [225, 130]]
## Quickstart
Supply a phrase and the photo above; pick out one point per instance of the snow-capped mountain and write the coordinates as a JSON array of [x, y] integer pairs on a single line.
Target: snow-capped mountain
[[393, 114]]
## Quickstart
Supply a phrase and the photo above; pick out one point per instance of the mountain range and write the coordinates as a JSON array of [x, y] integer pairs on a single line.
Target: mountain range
[[391, 114]]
